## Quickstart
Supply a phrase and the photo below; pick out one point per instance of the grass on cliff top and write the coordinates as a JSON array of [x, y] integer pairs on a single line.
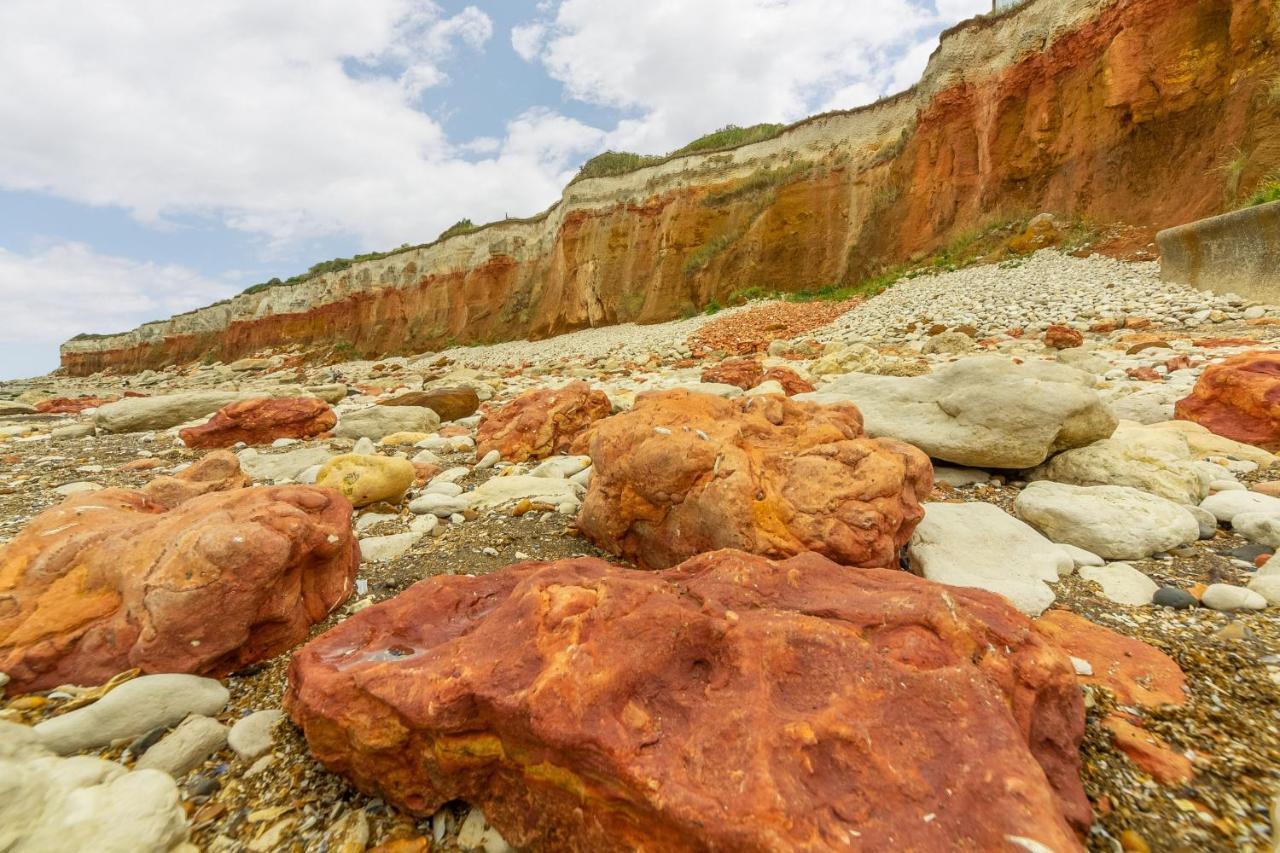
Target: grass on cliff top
[[462, 226], [612, 163]]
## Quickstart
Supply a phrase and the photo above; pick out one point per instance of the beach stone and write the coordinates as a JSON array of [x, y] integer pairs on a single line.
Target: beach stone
[[382, 549], [502, 492], [441, 505], [1114, 522], [377, 422], [1122, 583], [1154, 460], [1221, 596], [217, 471], [261, 421], [541, 423], [132, 709], [186, 747], [1225, 506], [1206, 445], [140, 414], [366, 479], [1238, 398], [1171, 596], [277, 467], [451, 403], [725, 679], [48, 803], [252, 736], [1267, 586], [106, 582], [1260, 527], [1062, 337], [684, 473], [981, 412], [979, 545]]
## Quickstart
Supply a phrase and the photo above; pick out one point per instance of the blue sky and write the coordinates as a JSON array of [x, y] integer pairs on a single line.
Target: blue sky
[[161, 156]]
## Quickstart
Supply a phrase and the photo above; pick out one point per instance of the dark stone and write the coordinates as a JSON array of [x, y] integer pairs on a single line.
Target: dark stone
[[1250, 552], [146, 741], [1171, 596]]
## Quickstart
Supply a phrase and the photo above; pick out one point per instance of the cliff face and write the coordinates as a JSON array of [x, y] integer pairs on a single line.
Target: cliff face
[[1145, 112]]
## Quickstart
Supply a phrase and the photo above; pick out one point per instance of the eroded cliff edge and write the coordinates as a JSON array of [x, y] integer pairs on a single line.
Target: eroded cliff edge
[[1146, 112]]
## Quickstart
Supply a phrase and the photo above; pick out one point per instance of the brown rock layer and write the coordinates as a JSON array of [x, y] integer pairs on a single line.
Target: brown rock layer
[[110, 581], [541, 423], [1239, 399], [683, 473], [730, 703], [1124, 117], [262, 421]]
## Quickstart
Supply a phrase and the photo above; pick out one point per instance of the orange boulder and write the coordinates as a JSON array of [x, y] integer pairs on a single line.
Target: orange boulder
[[71, 405], [541, 423], [1239, 399], [683, 473], [216, 471], [262, 421], [747, 373], [1062, 337], [730, 703], [110, 580]]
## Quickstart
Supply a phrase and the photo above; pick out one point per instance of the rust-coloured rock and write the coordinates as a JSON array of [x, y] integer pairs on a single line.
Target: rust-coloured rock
[[110, 580], [216, 471], [683, 473], [745, 373], [449, 403], [1149, 751], [1238, 398], [1062, 337], [541, 423], [730, 703], [791, 382], [71, 405], [1138, 674], [262, 421]]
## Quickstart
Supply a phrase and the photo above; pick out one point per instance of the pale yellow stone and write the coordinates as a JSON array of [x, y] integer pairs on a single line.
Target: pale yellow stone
[[367, 479], [398, 439]]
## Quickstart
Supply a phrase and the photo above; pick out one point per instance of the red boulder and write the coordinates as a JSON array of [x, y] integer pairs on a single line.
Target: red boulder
[[541, 423], [1062, 337], [1239, 399], [730, 703], [262, 421], [110, 580], [683, 473]]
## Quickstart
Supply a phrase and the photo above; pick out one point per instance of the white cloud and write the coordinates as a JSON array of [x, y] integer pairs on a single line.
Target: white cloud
[[527, 40], [59, 290], [288, 118], [686, 68]]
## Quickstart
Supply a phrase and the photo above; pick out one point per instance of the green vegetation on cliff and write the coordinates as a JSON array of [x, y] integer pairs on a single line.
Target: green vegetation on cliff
[[612, 163]]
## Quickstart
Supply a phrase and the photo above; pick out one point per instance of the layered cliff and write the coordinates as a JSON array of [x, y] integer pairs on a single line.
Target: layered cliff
[[1144, 112]]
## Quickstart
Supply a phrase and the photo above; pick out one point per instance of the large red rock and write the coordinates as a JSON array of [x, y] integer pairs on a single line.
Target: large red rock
[[110, 580], [449, 403], [747, 373], [216, 471], [71, 405], [262, 421], [683, 473], [541, 423], [1238, 398], [730, 703]]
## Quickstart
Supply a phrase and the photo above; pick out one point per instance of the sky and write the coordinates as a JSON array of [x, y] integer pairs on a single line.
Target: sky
[[158, 156]]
